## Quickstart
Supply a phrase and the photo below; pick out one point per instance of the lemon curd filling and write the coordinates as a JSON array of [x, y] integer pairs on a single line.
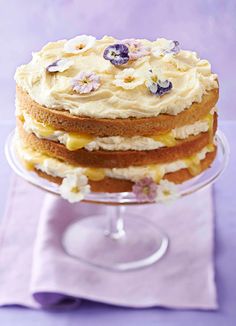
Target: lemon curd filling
[[193, 163], [167, 139], [95, 174], [75, 141], [209, 119], [52, 166]]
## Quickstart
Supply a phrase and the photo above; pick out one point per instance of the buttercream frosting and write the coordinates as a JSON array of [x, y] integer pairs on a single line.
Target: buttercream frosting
[[190, 76]]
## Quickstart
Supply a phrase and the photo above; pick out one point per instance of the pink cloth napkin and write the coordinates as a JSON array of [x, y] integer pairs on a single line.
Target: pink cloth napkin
[[36, 272]]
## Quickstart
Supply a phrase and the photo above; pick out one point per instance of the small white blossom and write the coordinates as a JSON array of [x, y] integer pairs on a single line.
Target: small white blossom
[[79, 44], [128, 79], [166, 191], [74, 187]]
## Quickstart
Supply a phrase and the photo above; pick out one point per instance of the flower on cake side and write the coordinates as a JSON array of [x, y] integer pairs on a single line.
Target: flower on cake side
[[59, 65], [166, 191], [74, 187], [157, 85], [146, 190], [136, 49], [86, 82], [128, 79], [165, 47], [117, 54], [79, 44]]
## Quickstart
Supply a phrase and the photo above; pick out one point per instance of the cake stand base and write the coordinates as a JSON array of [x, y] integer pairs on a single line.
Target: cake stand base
[[115, 243], [119, 241]]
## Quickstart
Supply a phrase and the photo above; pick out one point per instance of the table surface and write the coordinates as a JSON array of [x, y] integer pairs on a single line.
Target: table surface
[[90, 313]]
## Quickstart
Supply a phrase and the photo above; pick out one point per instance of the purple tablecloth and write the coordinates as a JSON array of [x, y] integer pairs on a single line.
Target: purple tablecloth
[[99, 314]]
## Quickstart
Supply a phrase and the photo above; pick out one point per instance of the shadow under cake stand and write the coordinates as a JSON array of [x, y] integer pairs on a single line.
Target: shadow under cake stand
[[117, 240]]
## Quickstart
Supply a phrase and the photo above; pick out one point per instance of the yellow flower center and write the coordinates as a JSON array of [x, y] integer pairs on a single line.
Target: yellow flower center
[[146, 190], [75, 190], [80, 46], [166, 192], [154, 78], [132, 48], [129, 79], [85, 81]]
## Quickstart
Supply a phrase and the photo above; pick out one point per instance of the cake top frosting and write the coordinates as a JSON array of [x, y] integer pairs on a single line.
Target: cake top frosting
[[110, 78]]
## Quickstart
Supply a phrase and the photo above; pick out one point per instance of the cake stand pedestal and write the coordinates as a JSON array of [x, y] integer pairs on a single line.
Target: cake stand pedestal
[[117, 240]]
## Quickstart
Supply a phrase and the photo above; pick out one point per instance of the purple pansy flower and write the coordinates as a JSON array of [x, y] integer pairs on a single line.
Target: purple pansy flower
[[158, 86], [145, 189], [117, 54]]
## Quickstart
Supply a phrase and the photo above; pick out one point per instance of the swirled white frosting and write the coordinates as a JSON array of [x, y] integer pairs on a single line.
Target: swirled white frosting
[[190, 76]]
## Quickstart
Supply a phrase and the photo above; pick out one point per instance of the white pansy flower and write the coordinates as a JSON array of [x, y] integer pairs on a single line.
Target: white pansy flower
[[128, 79], [156, 83], [154, 74], [59, 65], [74, 187], [166, 191], [79, 44], [163, 46]]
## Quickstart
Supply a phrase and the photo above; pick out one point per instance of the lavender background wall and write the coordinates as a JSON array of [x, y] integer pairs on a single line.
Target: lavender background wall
[[207, 26]]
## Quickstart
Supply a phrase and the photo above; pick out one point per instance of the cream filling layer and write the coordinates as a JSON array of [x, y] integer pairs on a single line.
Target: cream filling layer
[[56, 168], [75, 141], [191, 78]]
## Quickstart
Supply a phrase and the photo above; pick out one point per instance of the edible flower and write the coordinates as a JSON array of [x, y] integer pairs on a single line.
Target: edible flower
[[79, 44], [136, 49], [166, 191], [117, 54], [85, 82], [74, 187], [128, 79], [166, 47], [157, 86], [59, 65], [145, 189]]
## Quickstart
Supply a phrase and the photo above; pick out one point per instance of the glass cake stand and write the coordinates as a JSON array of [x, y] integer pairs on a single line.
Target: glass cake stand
[[117, 240]]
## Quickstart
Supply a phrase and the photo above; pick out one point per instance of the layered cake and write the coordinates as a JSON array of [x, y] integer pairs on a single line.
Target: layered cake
[[114, 115]]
